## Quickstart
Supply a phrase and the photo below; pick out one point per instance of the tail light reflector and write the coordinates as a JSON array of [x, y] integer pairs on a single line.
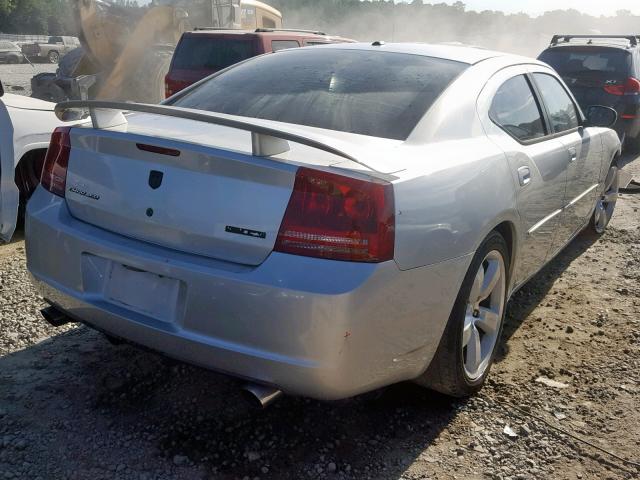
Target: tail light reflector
[[340, 218], [168, 90], [630, 87], [54, 171]]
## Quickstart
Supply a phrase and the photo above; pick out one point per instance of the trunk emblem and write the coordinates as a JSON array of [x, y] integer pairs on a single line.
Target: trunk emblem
[[155, 179]]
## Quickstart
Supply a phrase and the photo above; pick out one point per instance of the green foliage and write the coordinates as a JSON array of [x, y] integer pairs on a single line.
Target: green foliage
[[36, 17]]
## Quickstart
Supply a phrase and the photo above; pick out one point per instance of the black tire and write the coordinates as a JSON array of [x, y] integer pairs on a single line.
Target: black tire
[[146, 84], [27, 177], [604, 210], [13, 60], [632, 145], [44, 87], [53, 57], [446, 373]]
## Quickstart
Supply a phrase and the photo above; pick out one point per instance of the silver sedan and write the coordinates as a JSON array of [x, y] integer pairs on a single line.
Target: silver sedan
[[322, 221]]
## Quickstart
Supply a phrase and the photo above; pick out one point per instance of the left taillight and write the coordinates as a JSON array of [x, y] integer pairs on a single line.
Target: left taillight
[[630, 87], [54, 172], [339, 218]]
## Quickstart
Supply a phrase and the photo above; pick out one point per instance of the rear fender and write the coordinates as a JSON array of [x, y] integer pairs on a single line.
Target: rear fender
[[9, 195], [25, 125]]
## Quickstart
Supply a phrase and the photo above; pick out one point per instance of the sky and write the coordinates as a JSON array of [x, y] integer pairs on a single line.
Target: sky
[[536, 7]]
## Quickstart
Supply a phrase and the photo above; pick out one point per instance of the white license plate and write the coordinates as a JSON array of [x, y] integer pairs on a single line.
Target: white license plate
[[147, 293]]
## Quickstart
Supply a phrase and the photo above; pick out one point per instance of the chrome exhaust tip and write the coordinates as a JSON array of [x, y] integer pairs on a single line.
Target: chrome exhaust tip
[[261, 396], [55, 317]]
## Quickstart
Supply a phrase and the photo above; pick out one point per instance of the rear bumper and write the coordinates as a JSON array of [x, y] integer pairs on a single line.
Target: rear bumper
[[317, 328]]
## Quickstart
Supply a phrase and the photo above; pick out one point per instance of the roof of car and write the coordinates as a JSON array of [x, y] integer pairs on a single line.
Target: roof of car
[[458, 53], [625, 42], [260, 31]]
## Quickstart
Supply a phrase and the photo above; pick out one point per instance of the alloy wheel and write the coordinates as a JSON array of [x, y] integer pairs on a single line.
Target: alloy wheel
[[483, 317], [607, 202]]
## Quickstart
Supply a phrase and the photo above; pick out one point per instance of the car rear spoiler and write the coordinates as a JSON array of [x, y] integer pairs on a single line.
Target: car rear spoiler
[[265, 141], [633, 39]]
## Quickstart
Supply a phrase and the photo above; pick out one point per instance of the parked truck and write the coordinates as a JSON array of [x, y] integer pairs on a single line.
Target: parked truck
[[52, 51]]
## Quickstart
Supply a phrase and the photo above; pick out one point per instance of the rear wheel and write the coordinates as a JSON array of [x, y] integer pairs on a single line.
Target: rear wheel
[[606, 204], [13, 59], [632, 144], [27, 177], [53, 56], [147, 82], [467, 348]]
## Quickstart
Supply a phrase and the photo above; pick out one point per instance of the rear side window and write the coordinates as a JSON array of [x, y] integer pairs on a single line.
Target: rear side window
[[212, 53], [588, 61], [516, 110], [283, 44], [381, 94], [563, 114]]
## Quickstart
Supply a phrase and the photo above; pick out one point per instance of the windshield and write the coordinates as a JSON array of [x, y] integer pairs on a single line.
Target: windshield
[[205, 52], [380, 94]]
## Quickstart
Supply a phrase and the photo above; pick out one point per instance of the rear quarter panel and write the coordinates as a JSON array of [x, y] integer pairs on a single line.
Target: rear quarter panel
[[456, 186], [460, 191]]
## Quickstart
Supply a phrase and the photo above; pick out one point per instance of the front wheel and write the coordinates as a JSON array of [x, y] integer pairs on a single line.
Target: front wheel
[[467, 348], [606, 204], [53, 57]]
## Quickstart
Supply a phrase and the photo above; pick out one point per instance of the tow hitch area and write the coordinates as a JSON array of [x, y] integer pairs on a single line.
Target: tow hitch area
[[55, 317]]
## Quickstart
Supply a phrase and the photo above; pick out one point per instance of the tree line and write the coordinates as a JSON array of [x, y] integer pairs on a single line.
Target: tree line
[[43, 17]]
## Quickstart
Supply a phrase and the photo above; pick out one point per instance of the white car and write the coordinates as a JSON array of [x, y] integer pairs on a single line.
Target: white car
[[26, 125]]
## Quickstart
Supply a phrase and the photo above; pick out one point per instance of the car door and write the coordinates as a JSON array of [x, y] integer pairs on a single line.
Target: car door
[[513, 118], [584, 154]]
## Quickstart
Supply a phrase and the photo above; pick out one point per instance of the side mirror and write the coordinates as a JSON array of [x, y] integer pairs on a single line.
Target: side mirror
[[601, 116], [1, 89]]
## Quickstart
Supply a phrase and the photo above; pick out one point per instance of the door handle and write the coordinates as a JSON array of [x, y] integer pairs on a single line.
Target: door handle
[[524, 176], [573, 154]]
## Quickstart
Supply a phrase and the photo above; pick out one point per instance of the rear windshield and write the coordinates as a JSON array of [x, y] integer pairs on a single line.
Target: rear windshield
[[380, 94], [588, 60], [212, 53]]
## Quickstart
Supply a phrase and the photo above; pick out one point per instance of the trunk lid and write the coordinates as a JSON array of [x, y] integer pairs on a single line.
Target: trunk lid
[[205, 194], [217, 203]]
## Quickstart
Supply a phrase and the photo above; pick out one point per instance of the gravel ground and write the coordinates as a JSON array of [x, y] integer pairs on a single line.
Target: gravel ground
[[17, 78], [74, 406]]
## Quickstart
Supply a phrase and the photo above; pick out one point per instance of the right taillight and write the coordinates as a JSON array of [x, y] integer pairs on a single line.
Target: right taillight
[[54, 172], [340, 218], [168, 91], [630, 87]]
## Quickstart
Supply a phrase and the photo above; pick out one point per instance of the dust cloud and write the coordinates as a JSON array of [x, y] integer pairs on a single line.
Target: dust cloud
[[442, 23]]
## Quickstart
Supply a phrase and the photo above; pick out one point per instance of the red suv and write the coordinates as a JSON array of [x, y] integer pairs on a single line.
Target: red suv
[[205, 51]]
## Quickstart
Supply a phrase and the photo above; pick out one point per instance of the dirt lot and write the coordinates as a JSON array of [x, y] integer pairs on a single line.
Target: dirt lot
[[73, 406], [17, 78]]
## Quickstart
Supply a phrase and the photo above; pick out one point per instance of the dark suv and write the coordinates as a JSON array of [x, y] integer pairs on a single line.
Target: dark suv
[[602, 70], [205, 51]]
